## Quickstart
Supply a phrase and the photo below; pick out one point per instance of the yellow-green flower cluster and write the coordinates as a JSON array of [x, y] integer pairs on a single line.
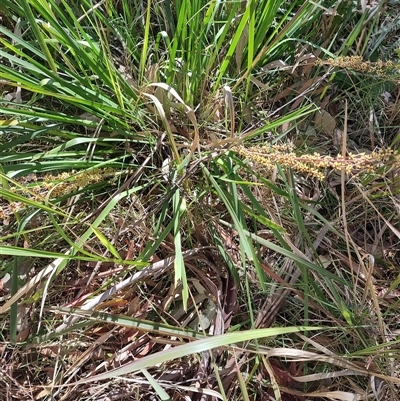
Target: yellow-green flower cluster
[[315, 164], [356, 63], [52, 186], [65, 183]]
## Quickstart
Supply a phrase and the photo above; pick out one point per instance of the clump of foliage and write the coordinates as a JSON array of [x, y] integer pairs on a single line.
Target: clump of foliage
[[199, 197]]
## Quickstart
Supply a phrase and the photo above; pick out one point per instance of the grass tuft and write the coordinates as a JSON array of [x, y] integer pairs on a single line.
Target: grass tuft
[[199, 199]]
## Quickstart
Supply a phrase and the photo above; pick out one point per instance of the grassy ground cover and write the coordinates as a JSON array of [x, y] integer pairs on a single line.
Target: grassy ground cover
[[199, 200]]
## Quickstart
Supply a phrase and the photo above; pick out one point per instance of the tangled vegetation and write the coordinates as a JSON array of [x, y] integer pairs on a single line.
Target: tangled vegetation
[[199, 200]]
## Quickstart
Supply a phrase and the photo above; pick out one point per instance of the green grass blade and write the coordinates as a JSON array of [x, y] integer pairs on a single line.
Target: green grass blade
[[198, 346]]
